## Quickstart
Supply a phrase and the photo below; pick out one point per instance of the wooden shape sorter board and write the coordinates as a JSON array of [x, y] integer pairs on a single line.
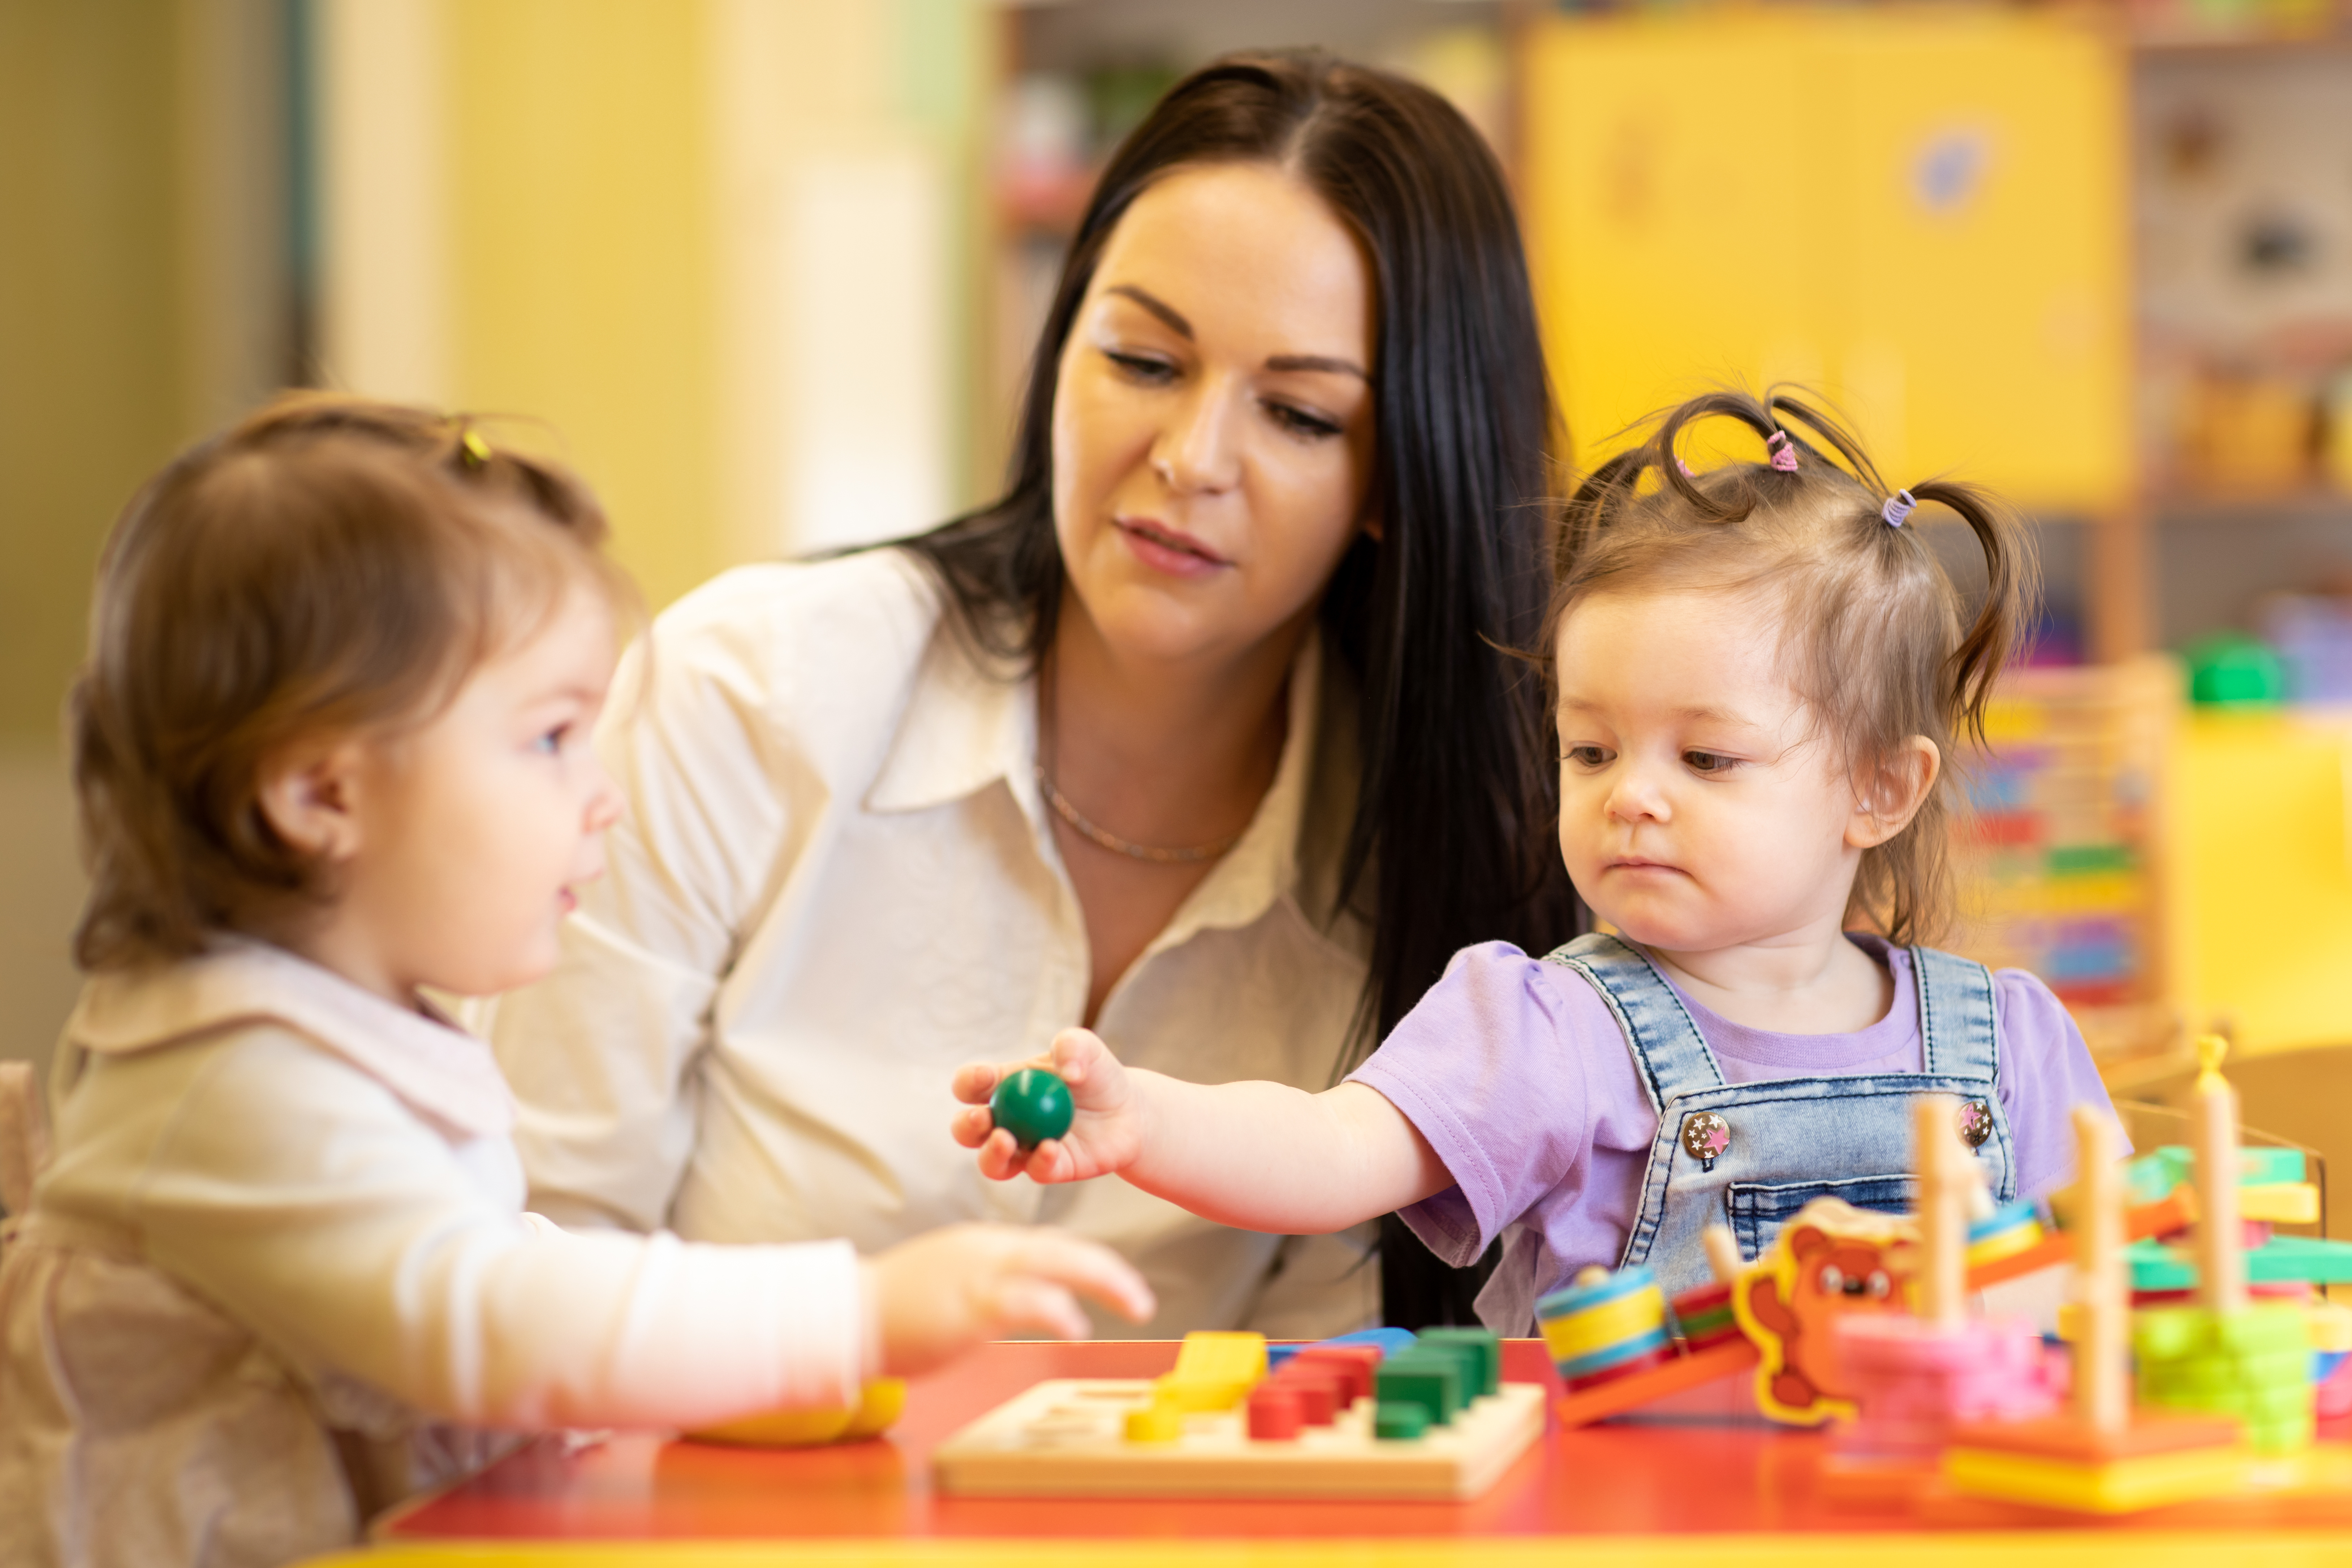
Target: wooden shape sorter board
[[1066, 1438]]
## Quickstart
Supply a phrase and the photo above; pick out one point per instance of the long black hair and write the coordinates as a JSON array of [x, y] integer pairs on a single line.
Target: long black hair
[[1456, 807]]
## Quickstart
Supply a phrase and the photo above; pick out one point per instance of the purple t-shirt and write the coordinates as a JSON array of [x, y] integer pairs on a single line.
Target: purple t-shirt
[[1517, 1073]]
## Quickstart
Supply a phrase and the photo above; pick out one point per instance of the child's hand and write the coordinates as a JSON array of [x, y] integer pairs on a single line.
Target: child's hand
[[939, 1295], [1105, 1136]]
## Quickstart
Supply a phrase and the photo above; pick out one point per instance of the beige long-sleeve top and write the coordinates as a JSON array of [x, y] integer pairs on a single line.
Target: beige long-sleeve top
[[835, 882], [282, 1227]]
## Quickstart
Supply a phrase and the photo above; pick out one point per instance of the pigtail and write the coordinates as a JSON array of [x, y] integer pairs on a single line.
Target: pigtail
[[1596, 505], [1780, 407], [2012, 583]]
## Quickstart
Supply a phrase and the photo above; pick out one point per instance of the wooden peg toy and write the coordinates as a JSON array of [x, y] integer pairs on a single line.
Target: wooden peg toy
[[2225, 1355], [1912, 1378], [2100, 1457]]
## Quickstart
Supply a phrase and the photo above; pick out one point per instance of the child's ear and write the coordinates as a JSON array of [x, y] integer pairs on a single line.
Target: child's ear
[[1886, 802], [310, 796]]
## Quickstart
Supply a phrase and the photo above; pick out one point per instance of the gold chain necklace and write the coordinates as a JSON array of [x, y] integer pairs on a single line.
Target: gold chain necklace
[[1191, 855]]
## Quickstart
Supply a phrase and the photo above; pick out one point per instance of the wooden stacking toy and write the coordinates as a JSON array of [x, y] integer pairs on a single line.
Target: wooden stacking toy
[[2102, 1456], [1913, 1377]]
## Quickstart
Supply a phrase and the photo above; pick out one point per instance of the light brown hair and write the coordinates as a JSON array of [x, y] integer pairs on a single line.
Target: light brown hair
[[331, 566], [1873, 636]]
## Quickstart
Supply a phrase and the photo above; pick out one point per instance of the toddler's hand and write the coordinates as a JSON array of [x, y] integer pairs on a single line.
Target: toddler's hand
[[1105, 1136], [941, 1294]]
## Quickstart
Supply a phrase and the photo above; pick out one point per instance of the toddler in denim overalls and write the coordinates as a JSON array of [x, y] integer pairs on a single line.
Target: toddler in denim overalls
[[1760, 675]]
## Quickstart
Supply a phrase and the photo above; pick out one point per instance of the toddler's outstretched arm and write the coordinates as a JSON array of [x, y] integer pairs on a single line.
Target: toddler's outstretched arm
[[1261, 1156]]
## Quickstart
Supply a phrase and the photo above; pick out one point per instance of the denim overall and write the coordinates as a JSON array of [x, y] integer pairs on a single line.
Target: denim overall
[[1750, 1155]]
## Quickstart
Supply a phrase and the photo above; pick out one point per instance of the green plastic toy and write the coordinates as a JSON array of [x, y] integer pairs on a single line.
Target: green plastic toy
[[1033, 1105]]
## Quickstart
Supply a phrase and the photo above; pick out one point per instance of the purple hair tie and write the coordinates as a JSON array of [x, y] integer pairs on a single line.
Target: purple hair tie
[[1783, 450], [1898, 508]]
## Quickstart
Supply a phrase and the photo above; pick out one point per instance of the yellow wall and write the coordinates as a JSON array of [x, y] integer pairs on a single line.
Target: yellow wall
[[581, 248], [1751, 196], [599, 214], [89, 375]]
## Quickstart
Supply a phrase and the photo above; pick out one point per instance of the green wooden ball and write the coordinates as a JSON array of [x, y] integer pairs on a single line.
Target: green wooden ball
[[1033, 1105]]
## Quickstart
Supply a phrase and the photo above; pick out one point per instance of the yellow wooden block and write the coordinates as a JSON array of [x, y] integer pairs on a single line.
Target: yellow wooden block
[[1192, 1395], [1216, 1357], [1215, 1370], [778, 1430], [2279, 1203], [1155, 1423], [2116, 1486], [2331, 1327], [879, 1405], [884, 1402]]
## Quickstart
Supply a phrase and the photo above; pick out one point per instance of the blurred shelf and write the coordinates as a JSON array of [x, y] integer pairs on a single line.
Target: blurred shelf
[[2187, 41], [2213, 508]]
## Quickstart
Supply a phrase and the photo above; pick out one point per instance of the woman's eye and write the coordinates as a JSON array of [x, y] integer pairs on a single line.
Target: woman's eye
[[1708, 761], [1298, 422], [551, 742], [1141, 367], [1588, 756]]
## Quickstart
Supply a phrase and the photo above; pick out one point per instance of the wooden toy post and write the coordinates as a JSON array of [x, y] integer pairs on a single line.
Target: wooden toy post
[[2102, 1350], [2220, 1236], [1946, 1178], [1723, 1260]]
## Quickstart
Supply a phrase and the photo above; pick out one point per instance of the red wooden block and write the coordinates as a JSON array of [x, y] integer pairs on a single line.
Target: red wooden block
[[1274, 1411], [1358, 1363], [1319, 1393]]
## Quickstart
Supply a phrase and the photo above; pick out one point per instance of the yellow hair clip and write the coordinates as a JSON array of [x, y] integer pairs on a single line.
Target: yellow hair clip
[[476, 451]]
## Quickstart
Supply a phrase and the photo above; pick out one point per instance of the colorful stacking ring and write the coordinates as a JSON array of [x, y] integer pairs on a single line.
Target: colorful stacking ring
[[1703, 1314], [2007, 1231], [1599, 1325]]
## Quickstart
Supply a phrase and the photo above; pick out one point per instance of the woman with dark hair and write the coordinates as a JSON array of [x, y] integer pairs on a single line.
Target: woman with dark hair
[[1206, 734]]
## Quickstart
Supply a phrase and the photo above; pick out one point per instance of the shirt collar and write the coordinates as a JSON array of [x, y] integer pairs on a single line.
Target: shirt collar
[[429, 1062], [966, 727]]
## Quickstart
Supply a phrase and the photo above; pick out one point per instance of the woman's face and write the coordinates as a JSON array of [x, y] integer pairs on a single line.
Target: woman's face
[[1212, 419]]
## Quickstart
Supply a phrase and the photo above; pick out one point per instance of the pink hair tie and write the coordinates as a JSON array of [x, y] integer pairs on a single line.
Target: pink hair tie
[[1686, 468], [1783, 450], [1898, 508]]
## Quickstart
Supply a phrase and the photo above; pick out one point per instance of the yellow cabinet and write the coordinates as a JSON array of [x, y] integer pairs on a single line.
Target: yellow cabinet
[[2264, 916], [1920, 214]]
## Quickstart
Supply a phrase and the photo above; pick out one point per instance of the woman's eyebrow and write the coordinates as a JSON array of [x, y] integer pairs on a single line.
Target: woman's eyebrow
[[1175, 321], [1156, 306], [1318, 362]]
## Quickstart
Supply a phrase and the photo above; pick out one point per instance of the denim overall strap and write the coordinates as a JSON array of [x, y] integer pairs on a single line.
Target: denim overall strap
[[1959, 1036], [1669, 1052], [1783, 1141]]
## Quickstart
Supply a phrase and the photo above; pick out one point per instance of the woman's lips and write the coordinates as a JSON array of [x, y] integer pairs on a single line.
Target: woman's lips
[[1169, 550]]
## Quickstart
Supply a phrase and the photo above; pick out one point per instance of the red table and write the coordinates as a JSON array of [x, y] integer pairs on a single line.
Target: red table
[[1704, 1466]]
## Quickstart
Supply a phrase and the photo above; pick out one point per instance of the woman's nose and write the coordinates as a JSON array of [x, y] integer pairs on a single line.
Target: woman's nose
[[1197, 452]]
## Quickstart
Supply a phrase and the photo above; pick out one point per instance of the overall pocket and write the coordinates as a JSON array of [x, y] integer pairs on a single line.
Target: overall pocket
[[1759, 1209]]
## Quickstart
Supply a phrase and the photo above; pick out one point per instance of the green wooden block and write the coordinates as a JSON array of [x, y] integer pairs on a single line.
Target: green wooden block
[[2264, 1329], [2279, 1435], [1400, 1421], [1486, 1350], [1434, 1382]]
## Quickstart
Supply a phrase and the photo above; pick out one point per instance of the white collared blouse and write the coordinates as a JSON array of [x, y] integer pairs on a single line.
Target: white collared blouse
[[283, 1230], [835, 882]]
